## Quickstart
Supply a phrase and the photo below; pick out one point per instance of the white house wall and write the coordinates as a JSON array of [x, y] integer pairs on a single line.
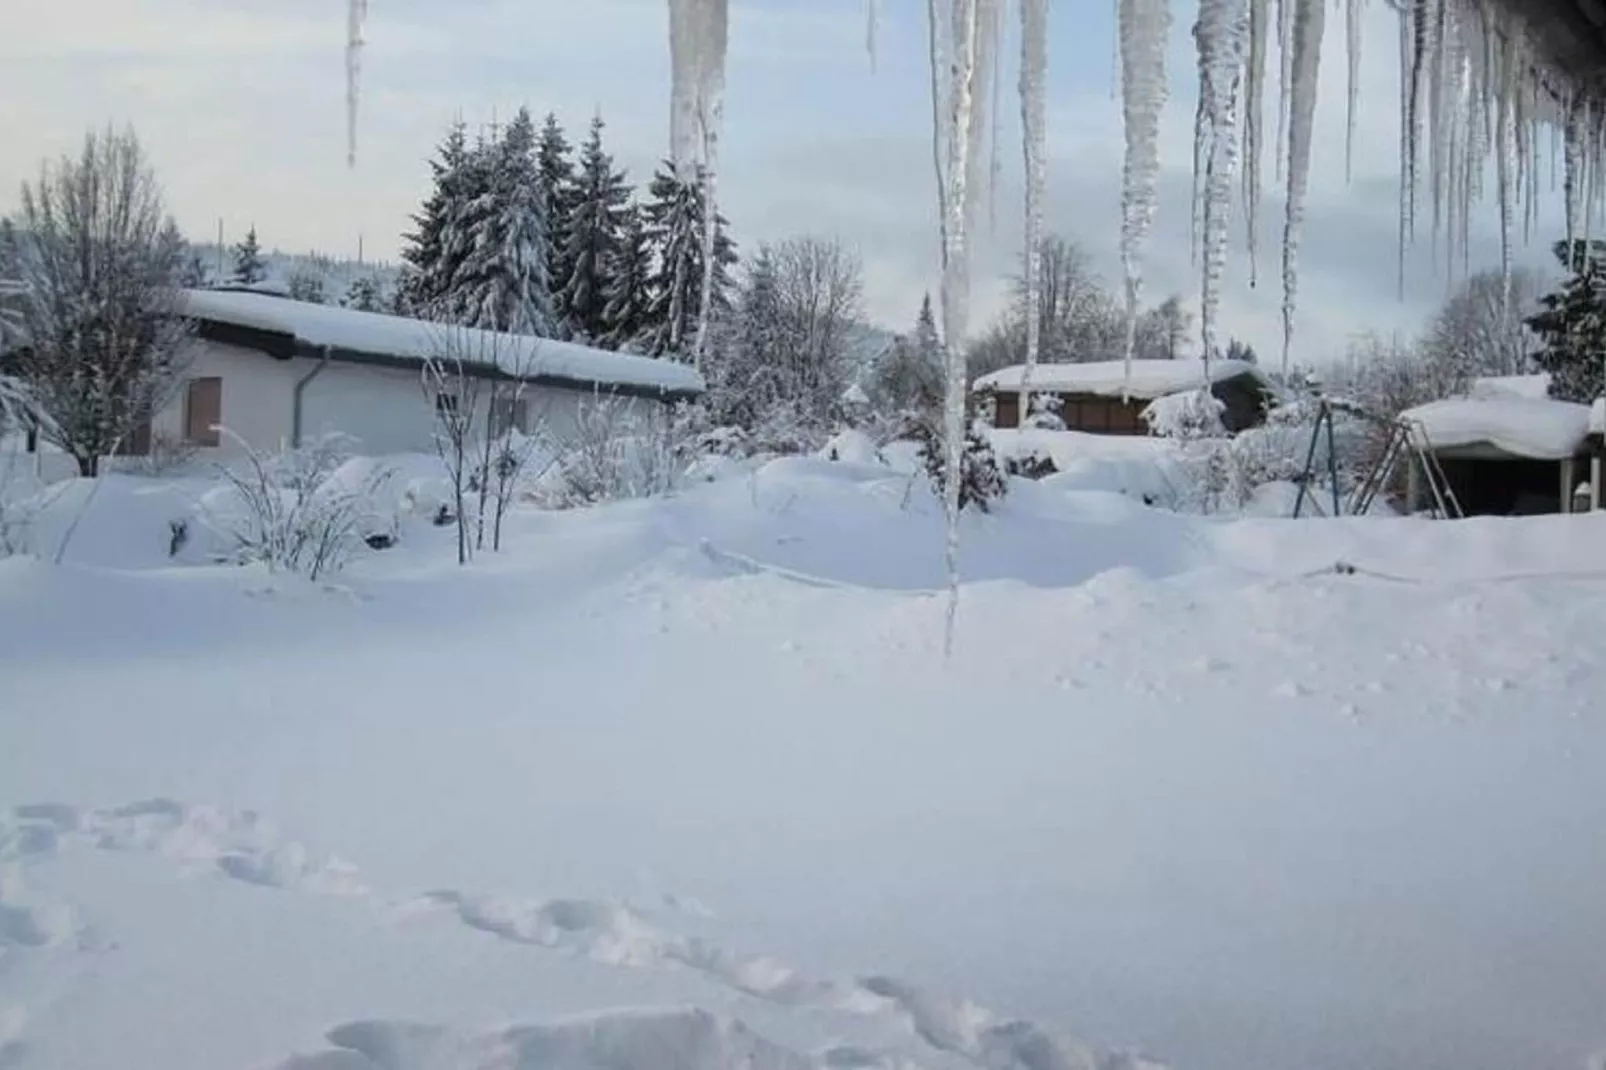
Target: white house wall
[[385, 410], [258, 397]]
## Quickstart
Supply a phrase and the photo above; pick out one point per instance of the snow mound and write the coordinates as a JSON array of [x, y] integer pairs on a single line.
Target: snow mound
[[1495, 387], [854, 447], [1109, 378], [375, 334], [1542, 429], [677, 1039], [238, 843]]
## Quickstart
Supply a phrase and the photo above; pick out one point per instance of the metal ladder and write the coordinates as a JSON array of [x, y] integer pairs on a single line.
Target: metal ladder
[[1407, 437]]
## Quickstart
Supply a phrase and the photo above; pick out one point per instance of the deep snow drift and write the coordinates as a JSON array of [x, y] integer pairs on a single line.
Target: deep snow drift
[[685, 783]]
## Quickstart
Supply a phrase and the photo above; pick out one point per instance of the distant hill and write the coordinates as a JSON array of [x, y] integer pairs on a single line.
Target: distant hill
[[304, 273]]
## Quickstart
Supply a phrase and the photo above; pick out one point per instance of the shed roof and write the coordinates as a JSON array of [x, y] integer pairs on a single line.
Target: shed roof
[[371, 337], [1148, 379], [1537, 428]]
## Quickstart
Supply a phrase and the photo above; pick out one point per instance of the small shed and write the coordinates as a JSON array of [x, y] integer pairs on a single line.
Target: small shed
[[1505, 455], [1106, 398]]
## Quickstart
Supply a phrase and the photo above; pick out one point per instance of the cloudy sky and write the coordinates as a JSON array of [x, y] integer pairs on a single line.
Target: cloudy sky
[[241, 106]]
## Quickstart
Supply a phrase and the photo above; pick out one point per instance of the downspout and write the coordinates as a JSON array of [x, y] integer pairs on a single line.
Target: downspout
[[301, 388]]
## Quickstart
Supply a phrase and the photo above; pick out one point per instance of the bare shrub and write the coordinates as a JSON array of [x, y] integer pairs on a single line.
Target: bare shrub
[[621, 448], [300, 511]]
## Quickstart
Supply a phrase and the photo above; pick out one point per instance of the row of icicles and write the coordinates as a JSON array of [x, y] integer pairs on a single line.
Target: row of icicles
[[1473, 88], [1473, 91]]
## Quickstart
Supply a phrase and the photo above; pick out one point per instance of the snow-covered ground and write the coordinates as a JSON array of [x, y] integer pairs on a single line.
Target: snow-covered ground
[[686, 783]]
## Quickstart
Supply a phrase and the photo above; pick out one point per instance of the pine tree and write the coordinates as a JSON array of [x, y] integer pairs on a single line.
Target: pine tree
[[501, 280], [554, 181], [468, 241], [195, 276], [248, 266], [363, 294], [628, 275], [596, 203], [674, 215], [746, 377], [307, 285], [910, 376], [1571, 325], [426, 272]]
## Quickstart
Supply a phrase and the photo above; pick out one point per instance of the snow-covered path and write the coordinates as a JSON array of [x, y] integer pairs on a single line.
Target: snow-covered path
[[1181, 791]]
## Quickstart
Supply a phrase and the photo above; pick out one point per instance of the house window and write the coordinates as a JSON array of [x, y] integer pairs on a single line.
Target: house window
[[203, 411], [508, 414]]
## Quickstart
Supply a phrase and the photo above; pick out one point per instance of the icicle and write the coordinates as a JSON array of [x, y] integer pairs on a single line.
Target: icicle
[[1507, 72], [698, 32], [1220, 37], [1309, 19], [1201, 127], [1402, 239], [1034, 124], [872, 21], [1423, 19], [1572, 180], [1145, 26], [1352, 52], [956, 136], [995, 169], [1259, 19], [697, 41], [356, 13], [1438, 118], [1285, 81], [982, 83]]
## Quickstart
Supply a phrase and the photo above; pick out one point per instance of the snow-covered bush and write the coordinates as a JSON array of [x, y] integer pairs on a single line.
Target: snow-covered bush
[[1045, 413], [981, 481], [621, 448], [302, 511], [1216, 472], [1186, 416], [853, 447]]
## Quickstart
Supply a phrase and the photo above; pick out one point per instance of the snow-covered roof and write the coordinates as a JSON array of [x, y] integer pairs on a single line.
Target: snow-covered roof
[[1541, 428], [1149, 378], [376, 335], [1532, 386]]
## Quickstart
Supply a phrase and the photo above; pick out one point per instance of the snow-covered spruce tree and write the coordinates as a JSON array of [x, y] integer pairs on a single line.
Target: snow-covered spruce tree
[[745, 371], [1571, 324], [426, 271], [629, 275], [554, 181], [248, 266], [363, 295], [99, 262], [908, 377], [307, 285], [592, 232], [981, 480], [499, 239], [674, 217], [194, 275]]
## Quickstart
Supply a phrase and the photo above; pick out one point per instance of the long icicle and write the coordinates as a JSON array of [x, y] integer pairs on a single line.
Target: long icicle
[[956, 202], [1034, 127], [872, 23], [1220, 34], [1352, 53], [1145, 27], [1285, 80], [1254, 121], [356, 14], [1309, 18]]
